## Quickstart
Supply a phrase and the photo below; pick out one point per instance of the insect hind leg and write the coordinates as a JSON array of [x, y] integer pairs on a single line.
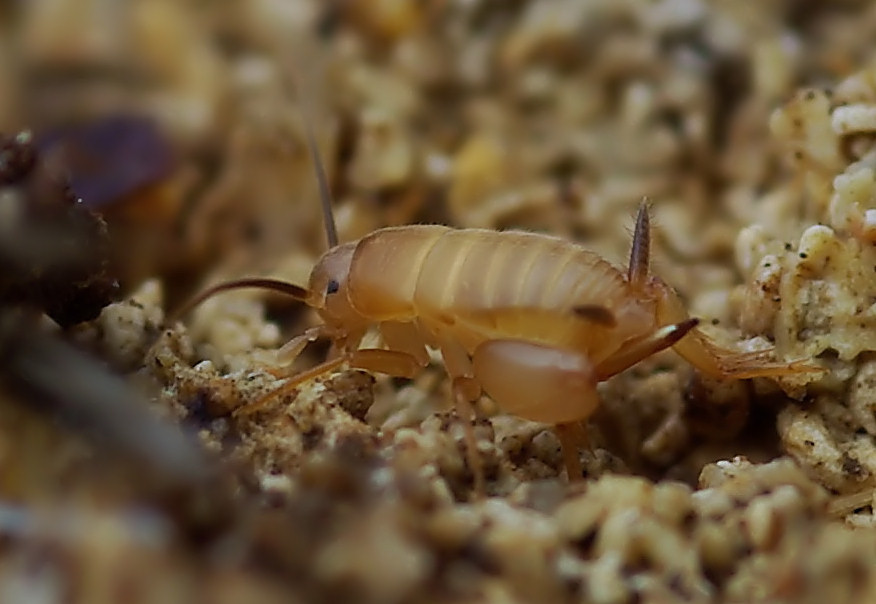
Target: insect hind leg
[[717, 362], [541, 383], [573, 438], [640, 349]]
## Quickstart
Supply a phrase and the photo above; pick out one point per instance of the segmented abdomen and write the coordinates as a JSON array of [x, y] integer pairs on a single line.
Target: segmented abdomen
[[480, 284], [474, 270], [487, 285]]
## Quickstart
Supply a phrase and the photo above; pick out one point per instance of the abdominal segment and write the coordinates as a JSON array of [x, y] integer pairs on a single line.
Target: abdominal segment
[[472, 286]]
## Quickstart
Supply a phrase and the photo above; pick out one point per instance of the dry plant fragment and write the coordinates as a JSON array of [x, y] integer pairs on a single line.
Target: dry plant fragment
[[55, 251]]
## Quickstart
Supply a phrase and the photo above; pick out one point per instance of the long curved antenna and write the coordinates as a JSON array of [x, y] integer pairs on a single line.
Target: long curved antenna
[[328, 217], [275, 285], [301, 82]]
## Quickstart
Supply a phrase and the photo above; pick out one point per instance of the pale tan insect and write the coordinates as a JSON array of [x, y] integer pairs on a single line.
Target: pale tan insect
[[533, 321]]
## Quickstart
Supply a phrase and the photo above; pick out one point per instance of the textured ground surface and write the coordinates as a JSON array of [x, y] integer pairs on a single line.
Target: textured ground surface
[[751, 131]]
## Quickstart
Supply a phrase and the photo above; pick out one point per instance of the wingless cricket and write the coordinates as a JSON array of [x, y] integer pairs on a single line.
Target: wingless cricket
[[533, 321]]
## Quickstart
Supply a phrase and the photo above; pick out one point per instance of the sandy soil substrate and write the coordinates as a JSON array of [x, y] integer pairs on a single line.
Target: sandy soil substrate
[[748, 126]]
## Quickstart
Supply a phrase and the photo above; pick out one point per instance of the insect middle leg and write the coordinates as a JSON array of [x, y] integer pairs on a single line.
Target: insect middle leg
[[408, 337], [466, 392], [408, 361], [391, 362]]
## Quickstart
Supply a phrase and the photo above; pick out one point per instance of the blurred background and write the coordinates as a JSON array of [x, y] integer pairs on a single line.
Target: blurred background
[[178, 126], [180, 121]]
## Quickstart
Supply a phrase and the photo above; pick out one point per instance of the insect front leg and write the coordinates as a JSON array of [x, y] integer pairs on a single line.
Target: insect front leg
[[378, 360], [543, 384], [290, 385], [291, 350]]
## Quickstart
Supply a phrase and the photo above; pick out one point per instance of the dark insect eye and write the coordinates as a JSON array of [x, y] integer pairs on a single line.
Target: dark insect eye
[[333, 287]]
